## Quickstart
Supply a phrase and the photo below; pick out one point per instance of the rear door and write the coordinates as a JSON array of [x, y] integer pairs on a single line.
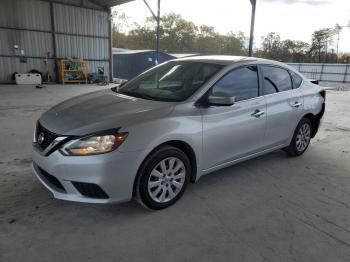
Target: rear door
[[283, 105]]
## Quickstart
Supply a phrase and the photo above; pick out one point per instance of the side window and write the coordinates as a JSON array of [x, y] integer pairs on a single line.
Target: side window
[[297, 80], [242, 83], [275, 80]]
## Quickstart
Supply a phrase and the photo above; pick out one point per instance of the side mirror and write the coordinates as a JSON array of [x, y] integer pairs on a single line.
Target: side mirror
[[123, 82], [119, 85], [221, 99]]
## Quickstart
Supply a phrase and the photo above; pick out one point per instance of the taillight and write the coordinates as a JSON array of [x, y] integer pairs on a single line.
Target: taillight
[[323, 94]]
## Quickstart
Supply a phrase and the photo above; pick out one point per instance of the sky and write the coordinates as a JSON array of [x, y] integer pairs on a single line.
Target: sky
[[292, 19]]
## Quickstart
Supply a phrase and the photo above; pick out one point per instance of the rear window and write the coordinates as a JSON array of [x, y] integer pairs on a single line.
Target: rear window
[[297, 80], [276, 79]]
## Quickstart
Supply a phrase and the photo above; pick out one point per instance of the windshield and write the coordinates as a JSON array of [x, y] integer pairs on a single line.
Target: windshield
[[172, 81]]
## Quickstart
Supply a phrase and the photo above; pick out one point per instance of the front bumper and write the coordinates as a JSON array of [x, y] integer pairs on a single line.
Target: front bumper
[[104, 178]]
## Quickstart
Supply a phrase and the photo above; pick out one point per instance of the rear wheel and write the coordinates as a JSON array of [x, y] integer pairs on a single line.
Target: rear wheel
[[163, 178], [301, 138]]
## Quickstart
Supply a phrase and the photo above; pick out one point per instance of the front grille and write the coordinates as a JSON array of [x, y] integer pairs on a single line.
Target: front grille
[[90, 190], [48, 136], [50, 179]]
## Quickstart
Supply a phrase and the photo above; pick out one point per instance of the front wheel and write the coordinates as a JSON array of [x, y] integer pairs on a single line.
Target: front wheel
[[301, 138], [163, 178]]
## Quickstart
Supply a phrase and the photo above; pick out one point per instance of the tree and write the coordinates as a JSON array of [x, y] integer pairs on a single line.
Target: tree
[[177, 34], [207, 40], [293, 50], [120, 25], [233, 44], [211, 42], [320, 41], [345, 58], [271, 45], [180, 36]]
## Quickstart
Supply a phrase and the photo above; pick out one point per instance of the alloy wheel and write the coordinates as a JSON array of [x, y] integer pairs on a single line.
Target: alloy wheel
[[166, 180], [303, 137]]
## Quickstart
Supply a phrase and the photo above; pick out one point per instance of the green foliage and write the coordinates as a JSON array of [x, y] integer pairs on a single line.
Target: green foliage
[[288, 50], [320, 41], [181, 36]]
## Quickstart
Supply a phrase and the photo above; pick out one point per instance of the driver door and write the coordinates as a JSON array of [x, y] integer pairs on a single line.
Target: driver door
[[233, 132]]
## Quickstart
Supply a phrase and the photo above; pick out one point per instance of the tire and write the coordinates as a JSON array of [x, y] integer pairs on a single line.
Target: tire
[[162, 178], [301, 138]]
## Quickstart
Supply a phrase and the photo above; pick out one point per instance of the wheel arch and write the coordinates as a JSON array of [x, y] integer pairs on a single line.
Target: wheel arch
[[315, 122], [183, 146], [316, 110], [188, 150]]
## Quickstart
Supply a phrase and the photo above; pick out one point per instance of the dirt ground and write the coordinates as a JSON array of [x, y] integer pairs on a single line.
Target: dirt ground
[[272, 208]]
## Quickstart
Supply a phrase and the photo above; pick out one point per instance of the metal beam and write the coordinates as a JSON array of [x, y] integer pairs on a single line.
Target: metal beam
[[25, 29], [54, 44], [150, 9], [82, 35], [158, 32], [346, 70], [53, 58], [110, 45], [157, 18], [49, 32], [251, 37]]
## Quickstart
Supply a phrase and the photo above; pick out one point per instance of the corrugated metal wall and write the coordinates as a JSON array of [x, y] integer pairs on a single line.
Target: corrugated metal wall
[[80, 33], [84, 21], [82, 47], [33, 43], [324, 72], [25, 14], [77, 24], [8, 65]]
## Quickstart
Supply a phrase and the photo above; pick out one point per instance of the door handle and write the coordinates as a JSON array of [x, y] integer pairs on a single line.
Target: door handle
[[297, 104], [257, 113]]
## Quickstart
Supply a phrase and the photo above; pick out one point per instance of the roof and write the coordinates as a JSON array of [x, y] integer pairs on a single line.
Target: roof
[[119, 50], [103, 4], [109, 3], [130, 51], [219, 59], [227, 60], [183, 55]]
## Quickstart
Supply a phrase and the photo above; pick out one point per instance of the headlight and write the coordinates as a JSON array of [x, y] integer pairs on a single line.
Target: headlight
[[93, 145]]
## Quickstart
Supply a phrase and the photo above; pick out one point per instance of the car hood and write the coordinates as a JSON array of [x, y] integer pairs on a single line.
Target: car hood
[[100, 111]]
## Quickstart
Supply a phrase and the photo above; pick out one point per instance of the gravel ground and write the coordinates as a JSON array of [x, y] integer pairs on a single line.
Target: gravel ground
[[272, 208]]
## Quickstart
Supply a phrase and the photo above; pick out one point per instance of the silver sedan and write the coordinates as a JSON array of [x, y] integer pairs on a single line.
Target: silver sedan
[[171, 125]]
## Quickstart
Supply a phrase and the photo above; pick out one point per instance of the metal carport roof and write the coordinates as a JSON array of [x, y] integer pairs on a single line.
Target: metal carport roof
[[109, 3], [106, 4], [92, 4]]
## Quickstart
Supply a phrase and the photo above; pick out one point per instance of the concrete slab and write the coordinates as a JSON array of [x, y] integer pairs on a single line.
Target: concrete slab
[[272, 208]]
